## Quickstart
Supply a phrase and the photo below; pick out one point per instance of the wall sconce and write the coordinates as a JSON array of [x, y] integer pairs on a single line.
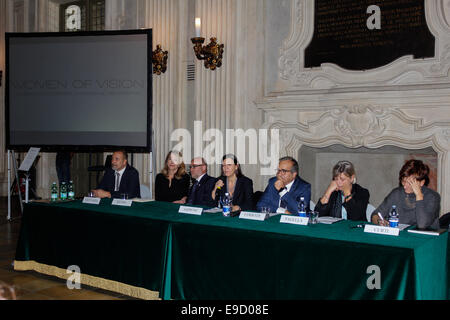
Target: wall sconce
[[159, 60], [212, 53]]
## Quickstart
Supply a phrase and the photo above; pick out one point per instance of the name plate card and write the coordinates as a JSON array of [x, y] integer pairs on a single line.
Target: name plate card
[[91, 200], [252, 216], [302, 221], [191, 210], [122, 202], [381, 230]]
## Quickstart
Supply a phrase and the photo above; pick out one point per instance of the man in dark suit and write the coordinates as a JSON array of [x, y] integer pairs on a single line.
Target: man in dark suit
[[285, 190], [203, 184], [120, 179]]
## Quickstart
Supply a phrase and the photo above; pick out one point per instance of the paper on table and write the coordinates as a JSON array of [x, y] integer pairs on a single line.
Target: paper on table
[[213, 210], [328, 220], [142, 200], [272, 214], [428, 231]]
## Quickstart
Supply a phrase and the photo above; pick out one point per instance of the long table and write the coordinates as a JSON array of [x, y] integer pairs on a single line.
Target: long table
[[151, 251]]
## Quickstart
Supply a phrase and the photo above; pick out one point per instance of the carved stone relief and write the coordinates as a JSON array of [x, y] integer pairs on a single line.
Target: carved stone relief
[[329, 75]]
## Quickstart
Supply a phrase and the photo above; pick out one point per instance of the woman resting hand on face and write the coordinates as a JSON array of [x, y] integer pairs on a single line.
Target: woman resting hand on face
[[416, 203], [344, 198]]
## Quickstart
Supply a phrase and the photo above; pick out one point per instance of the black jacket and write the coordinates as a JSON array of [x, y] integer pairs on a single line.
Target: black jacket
[[243, 192], [129, 183], [179, 188], [202, 194], [356, 207]]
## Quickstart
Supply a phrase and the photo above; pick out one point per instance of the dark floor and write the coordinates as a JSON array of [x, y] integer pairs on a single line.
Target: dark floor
[[30, 285]]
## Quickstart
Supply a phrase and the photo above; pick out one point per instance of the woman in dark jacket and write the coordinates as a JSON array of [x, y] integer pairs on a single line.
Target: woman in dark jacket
[[172, 184], [232, 181], [343, 197]]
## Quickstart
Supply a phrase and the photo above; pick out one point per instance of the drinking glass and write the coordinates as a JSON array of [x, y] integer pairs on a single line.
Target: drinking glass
[[314, 217]]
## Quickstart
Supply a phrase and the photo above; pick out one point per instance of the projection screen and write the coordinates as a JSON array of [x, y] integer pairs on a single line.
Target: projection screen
[[84, 91]]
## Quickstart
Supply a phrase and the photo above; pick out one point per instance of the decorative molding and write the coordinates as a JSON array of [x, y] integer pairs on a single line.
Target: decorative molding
[[403, 104], [359, 122], [404, 70], [364, 125], [441, 68], [446, 135], [289, 62]]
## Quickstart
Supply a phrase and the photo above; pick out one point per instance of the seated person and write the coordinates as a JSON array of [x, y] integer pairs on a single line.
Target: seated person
[[235, 183], [203, 184], [172, 184], [344, 198], [416, 203], [284, 191], [120, 179]]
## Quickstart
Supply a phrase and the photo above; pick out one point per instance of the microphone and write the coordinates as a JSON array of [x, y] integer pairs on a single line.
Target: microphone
[[223, 180], [219, 188]]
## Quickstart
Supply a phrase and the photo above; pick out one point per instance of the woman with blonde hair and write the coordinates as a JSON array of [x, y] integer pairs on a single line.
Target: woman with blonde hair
[[344, 198], [172, 184]]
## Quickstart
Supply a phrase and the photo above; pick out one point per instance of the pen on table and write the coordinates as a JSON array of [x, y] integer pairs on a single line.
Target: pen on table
[[381, 217]]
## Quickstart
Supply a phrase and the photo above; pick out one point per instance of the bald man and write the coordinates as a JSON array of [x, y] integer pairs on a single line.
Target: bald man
[[202, 184], [120, 179]]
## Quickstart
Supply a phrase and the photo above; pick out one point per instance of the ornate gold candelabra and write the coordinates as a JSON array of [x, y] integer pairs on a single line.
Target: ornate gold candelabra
[[212, 53], [159, 60]]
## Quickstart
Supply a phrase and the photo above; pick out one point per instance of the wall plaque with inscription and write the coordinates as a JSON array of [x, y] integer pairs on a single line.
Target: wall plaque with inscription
[[367, 34]]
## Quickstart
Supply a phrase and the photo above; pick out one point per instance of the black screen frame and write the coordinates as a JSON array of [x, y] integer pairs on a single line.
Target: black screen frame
[[81, 148]]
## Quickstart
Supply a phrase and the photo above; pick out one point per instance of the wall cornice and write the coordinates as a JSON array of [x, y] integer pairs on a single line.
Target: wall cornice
[[403, 71]]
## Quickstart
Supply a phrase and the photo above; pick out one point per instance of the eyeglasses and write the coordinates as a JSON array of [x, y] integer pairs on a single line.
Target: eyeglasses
[[193, 166], [283, 171]]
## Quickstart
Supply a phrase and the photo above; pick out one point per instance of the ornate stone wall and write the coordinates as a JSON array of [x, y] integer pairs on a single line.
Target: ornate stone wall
[[404, 104]]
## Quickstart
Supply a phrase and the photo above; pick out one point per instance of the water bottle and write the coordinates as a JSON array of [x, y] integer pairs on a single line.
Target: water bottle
[[393, 217], [226, 205], [70, 191], [63, 191], [302, 207], [54, 192]]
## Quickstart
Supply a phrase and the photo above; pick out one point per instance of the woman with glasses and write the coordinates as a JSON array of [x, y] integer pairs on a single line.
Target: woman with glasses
[[416, 203], [344, 198], [232, 181], [172, 184]]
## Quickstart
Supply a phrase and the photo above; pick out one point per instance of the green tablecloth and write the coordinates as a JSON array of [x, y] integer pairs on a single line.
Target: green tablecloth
[[152, 246], [126, 245]]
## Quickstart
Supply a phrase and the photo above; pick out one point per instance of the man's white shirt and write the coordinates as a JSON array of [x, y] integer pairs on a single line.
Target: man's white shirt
[[282, 193], [120, 177], [200, 178]]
